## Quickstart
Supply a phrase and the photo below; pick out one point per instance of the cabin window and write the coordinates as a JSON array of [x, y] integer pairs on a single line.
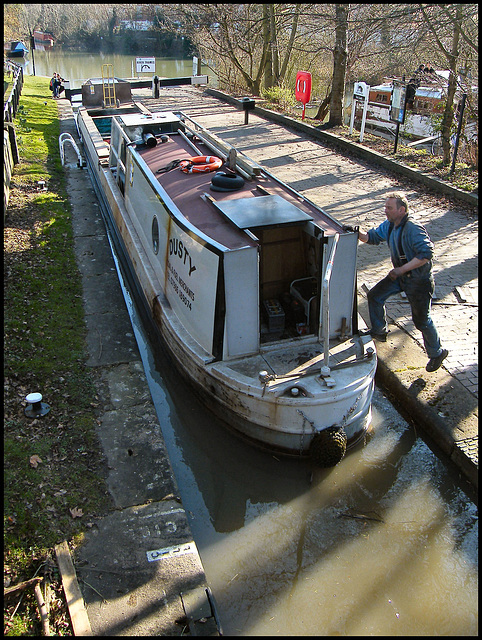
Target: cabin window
[[155, 235]]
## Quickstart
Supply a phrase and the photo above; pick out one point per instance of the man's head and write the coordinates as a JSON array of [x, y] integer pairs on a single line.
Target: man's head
[[396, 207]]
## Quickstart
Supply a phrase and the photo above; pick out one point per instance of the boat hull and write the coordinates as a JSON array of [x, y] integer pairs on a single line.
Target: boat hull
[[282, 413], [271, 417]]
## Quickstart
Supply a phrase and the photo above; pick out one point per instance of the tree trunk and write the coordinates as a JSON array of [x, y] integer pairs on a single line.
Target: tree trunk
[[268, 70], [340, 55], [274, 43], [448, 116], [323, 108], [452, 59], [289, 48]]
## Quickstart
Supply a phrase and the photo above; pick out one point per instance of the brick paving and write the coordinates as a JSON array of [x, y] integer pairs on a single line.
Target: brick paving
[[353, 191]]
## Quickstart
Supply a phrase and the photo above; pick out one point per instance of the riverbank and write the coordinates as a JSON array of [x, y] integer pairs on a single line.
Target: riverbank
[[54, 478]]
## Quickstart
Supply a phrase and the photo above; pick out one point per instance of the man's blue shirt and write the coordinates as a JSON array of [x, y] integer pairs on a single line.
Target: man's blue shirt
[[408, 240]]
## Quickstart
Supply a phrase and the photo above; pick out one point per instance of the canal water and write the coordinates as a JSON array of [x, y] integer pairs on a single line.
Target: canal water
[[78, 67], [386, 543]]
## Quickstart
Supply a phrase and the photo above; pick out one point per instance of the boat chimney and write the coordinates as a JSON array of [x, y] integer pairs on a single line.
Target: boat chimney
[[149, 139]]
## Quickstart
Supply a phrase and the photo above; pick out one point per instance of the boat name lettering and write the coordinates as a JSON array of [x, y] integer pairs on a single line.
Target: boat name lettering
[[186, 295], [177, 248]]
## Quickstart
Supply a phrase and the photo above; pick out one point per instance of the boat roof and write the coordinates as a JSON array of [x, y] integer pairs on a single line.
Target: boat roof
[[231, 218], [427, 92], [16, 45]]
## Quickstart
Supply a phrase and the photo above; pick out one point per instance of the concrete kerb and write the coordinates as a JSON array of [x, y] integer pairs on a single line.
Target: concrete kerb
[[442, 431], [442, 408], [436, 185]]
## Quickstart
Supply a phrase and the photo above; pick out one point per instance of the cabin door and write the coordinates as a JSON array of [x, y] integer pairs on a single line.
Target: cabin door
[[342, 284], [289, 281]]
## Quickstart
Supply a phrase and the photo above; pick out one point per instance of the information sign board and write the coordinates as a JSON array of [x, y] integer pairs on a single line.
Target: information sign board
[[147, 65], [398, 102], [360, 91]]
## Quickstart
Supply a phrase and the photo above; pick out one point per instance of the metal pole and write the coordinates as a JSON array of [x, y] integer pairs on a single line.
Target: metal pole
[[326, 304], [32, 47], [396, 138], [459, 129]]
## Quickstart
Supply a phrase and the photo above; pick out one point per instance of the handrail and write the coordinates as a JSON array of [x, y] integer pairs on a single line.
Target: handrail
[[326, 306], [11, 105], [66, 137], [246, 167]]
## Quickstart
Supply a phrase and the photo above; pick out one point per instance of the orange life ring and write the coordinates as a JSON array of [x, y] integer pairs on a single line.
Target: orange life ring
[[201, 164]]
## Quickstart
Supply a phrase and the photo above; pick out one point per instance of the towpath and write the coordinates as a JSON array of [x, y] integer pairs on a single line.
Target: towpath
[[444, 403]]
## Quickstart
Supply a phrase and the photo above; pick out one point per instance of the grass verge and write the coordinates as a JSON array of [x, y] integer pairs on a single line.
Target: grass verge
[[54, 481]]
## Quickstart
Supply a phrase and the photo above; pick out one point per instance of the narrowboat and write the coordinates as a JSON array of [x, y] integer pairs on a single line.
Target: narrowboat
[[428, 100], [16, 49], [251, 286], [43, 41]]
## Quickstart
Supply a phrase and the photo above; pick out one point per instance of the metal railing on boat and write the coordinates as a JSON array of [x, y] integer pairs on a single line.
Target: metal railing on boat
[[325, 369], [66, 137]]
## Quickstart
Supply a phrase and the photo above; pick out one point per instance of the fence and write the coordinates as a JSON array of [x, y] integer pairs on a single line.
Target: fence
[[11, 105], [10, 148]]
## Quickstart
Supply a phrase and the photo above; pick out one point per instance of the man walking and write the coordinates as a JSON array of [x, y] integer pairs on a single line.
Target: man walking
[[411, 251]]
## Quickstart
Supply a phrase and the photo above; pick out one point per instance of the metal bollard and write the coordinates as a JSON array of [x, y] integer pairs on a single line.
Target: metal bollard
[[248, 105]]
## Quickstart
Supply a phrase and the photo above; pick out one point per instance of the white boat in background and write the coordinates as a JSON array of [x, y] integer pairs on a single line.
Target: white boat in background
[[251, 286], [428, 101]]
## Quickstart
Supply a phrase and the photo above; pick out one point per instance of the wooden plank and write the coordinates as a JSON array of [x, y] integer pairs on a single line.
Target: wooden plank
[[142, 108], [247, 167], [75, 601], [22, 585], [429, 139], [245, 164]]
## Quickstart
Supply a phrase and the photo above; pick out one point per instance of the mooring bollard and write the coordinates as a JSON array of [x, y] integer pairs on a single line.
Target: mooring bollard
[[248, 105]]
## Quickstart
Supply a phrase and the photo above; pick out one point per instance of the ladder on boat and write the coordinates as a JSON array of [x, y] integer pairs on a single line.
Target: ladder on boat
[[108, 85]]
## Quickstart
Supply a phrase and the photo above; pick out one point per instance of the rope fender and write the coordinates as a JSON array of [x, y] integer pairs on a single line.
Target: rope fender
[[328, 447]]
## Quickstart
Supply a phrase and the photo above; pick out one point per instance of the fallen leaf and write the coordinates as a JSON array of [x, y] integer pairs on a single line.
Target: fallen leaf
[[34, 460], [76, 512]]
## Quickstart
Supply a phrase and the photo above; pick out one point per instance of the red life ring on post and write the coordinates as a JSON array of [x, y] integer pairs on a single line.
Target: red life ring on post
[[201, 164], [303, 86]]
